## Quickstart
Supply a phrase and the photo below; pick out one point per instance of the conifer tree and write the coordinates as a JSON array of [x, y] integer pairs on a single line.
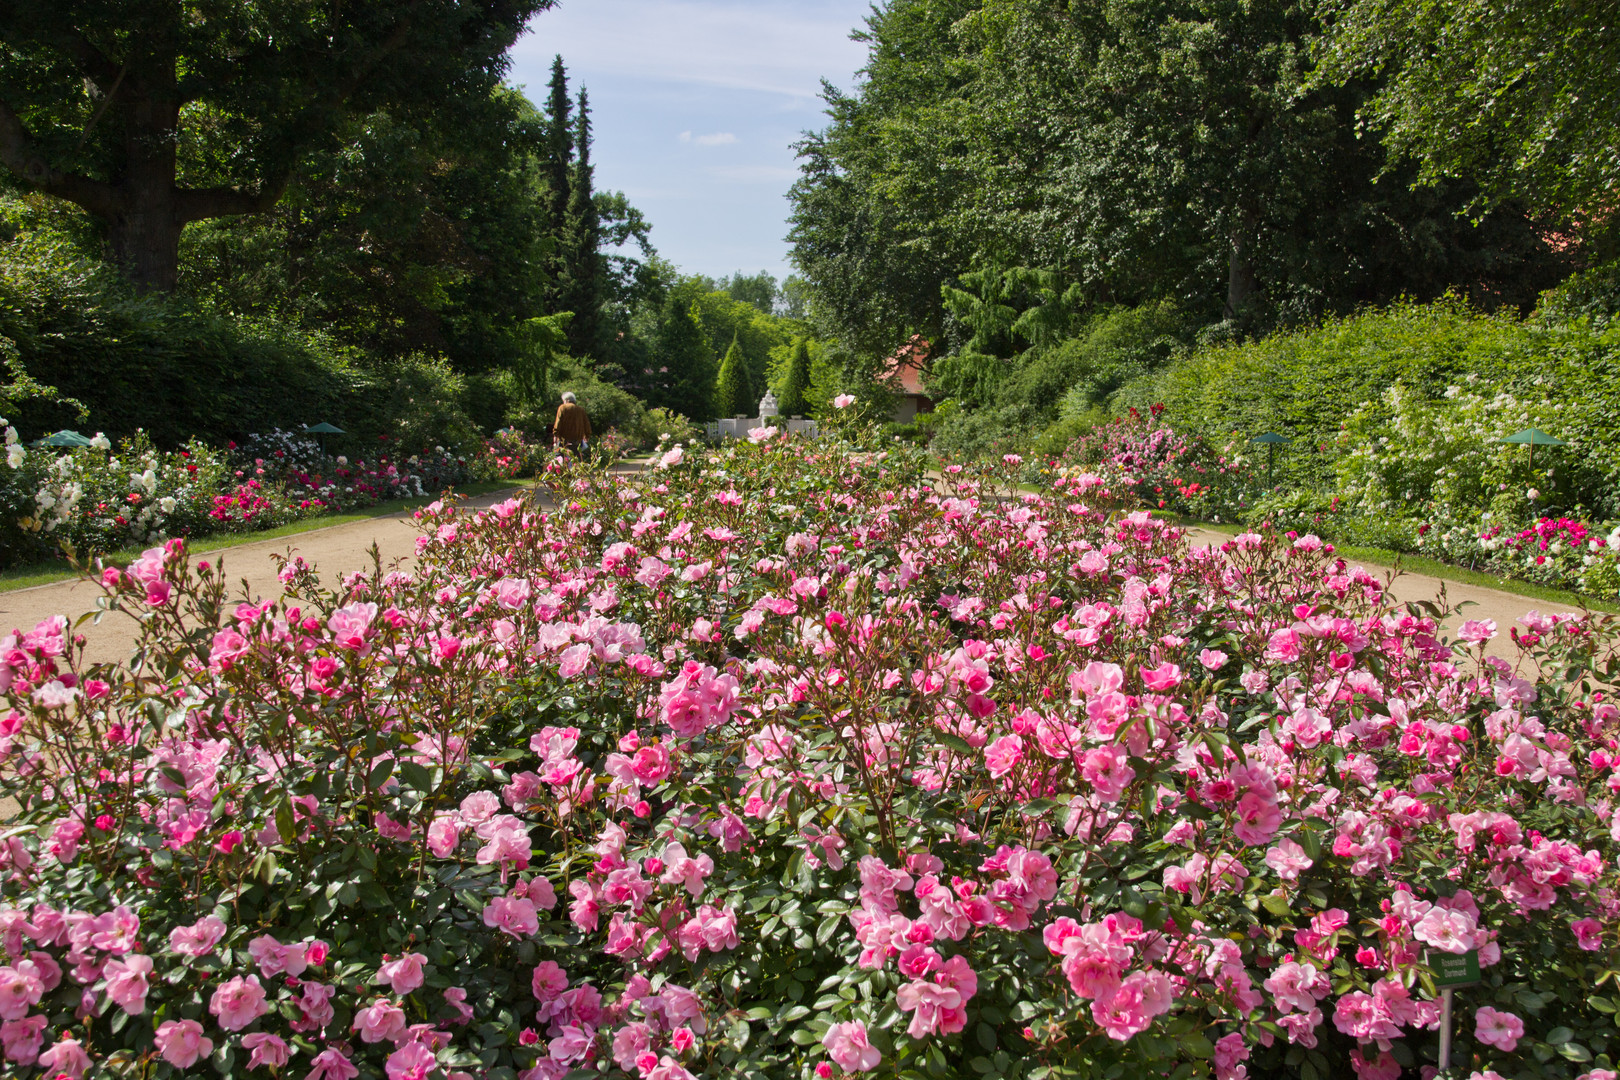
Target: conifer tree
[[685, 375], [731, 388], [559, 167], [583, 283], [793, 402]]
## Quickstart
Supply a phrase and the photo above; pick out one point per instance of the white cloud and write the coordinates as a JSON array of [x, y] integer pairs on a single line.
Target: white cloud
[[719, 138], [769, 46]]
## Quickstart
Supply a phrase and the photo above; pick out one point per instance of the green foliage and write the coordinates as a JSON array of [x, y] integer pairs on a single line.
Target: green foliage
[[1593, 293], [681, 363], [546, 341], [731, 390], [1136, 152], [408, 234], [1521, 95], [1463, 377], [119, 363], [152, 116], [583, 280], [791, 401]]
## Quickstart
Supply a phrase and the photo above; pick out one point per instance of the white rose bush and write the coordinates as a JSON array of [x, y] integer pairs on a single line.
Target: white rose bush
[[787, 761]]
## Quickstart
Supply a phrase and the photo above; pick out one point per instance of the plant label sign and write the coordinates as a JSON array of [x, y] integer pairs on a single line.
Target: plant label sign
[[1455, 969]]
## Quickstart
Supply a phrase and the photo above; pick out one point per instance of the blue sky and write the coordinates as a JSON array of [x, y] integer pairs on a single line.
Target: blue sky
[[695, 105]]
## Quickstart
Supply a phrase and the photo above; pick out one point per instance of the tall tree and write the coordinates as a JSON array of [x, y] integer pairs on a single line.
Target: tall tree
[[683, 368], [1170, 149], [559, 174], [1522, 95], [731, 390], [797, 382], [583, 281], [757, 289], [414, 234], [152, 115]]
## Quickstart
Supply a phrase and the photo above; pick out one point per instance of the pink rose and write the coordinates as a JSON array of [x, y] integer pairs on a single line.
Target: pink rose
[[196, 939], [1499, 1029], [22, 1039], [403, 974], [512, 915], [548, 981], [67, 1058], [1588, 934], [127, 982], [413, 1061], [332, 1064], [267, 1049], [846, 1044], [378, 1021], [238, 1002], [181, 1043], [20, 990]]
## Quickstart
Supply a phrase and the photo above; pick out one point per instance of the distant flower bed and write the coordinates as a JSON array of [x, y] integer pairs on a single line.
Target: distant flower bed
[[1456, 495], [104, 498]]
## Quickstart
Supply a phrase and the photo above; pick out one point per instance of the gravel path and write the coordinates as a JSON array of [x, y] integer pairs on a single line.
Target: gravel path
[[334, 550], [1503, 607], [342, 548]]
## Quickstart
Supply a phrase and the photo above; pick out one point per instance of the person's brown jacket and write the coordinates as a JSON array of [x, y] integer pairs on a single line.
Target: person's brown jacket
[[573, 425]]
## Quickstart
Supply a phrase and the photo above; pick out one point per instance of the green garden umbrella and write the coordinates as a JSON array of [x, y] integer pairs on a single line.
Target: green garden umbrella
[[1271, 440], [322, 429], [1533, 437], [65, 439]]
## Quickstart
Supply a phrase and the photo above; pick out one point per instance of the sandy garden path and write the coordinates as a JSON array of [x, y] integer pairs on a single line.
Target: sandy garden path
[[335, 550], [343, 548]]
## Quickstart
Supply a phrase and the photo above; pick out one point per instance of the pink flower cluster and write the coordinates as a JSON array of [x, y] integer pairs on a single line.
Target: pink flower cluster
[[657, 761]]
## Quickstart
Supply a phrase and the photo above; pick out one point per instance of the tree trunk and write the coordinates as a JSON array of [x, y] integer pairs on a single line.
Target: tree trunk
[[144, 229], [1241, 283]]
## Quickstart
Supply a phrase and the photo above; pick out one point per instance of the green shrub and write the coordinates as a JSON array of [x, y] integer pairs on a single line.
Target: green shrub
[[1305, 384], [1082, 371]]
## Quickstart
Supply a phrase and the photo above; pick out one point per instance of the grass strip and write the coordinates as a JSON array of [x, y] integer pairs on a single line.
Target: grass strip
[[54, 570], [1419, 564]]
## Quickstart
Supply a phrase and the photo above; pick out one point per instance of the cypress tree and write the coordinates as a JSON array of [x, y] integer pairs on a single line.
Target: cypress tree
[[686, 380], [583, 282], [559, 166], [793, 402], [731, 388]]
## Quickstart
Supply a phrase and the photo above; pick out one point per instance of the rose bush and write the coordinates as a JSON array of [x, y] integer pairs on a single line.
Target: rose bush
[[786, 761]]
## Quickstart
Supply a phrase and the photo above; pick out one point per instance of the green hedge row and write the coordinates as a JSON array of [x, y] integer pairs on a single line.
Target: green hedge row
[[1304, 384]]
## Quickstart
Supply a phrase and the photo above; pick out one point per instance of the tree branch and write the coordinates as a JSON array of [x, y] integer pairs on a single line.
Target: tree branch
[[23, 156], [196, 204], [31, 21]]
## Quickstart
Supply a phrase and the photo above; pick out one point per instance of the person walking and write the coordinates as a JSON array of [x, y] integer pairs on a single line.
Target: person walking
[[573, 425]]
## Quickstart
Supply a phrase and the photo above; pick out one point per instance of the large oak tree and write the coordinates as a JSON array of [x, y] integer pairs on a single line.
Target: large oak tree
[[151, 114]]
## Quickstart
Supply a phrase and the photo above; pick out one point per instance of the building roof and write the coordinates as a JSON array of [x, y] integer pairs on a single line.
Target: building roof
[[908, 364]]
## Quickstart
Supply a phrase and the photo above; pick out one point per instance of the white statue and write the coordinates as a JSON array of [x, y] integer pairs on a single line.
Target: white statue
[[767, 405]]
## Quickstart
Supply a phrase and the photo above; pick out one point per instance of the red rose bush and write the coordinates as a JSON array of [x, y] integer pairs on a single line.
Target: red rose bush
[[785, 760]]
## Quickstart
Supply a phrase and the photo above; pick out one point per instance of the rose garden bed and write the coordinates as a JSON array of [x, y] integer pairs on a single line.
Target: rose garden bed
[[786, 762]]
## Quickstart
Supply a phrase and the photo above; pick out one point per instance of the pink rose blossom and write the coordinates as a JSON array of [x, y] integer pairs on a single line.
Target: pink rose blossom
[[380, 1020], [846, 1044], [1499, 1029], [238, 1002], [332, 1064], [403, 974], [127, 984], [266, 1049], [181, 1043]]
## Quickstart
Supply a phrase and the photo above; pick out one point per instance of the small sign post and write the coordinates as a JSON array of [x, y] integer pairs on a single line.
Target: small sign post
[[1451, 970]]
